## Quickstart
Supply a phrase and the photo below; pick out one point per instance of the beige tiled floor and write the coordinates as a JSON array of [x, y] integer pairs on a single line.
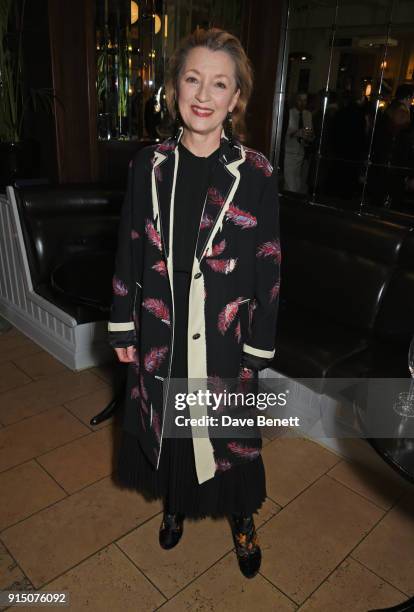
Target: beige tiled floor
[[336, 535]]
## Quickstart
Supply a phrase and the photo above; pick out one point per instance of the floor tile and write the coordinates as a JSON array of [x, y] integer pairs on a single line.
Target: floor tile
[[11, 575], [352, 588], [82, 461], [45, 393], [11, 377], [37, 435], [27, 489], [44, 364], [203, 542], [89, 405], [13, 339], [107, 581], [292, 464], [106, 371], [388, 549], [22, 349], [383, 486], [306, 540], [224, 588], [56, 539]]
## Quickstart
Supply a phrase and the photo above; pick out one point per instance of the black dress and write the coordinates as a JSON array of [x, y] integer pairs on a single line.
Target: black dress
[[241, 489]]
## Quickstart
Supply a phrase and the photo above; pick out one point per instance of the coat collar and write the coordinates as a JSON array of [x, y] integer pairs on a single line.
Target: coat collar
[[223, 184], [227, 155]]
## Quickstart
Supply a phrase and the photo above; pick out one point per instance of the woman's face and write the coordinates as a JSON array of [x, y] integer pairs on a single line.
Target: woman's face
[[207, 90]]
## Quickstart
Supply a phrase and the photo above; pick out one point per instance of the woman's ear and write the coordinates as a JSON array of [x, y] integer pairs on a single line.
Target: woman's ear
[[234, 100]]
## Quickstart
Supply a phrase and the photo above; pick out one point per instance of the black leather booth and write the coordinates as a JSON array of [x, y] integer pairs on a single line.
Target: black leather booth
[[61, 223], [347, 294]]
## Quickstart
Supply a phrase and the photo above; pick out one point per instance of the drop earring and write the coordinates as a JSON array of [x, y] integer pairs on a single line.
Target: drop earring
[[229, 128]]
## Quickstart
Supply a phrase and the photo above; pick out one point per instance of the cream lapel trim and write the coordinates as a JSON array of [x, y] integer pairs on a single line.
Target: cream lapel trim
[[233, 168], [171, 281], [159, 158]]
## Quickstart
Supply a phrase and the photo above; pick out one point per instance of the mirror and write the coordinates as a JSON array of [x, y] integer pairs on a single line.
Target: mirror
[[134, 41], [347, 130]]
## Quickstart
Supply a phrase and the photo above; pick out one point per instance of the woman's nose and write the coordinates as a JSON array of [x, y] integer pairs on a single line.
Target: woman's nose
[[202, 92]]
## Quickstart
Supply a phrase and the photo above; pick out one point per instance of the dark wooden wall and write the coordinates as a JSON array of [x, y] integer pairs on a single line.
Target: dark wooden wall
[[72, 44], [261, 40], [80, 158]]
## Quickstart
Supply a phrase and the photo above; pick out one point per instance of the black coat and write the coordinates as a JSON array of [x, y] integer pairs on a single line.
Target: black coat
[[234, 291]]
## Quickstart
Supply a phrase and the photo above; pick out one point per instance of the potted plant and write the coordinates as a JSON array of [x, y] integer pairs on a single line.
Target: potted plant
[[14, 98]]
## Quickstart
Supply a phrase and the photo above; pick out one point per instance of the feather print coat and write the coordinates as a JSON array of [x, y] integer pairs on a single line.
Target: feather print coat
[[233, 301]]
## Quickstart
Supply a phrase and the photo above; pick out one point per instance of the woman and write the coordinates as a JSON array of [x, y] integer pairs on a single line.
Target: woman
[[195, 292]]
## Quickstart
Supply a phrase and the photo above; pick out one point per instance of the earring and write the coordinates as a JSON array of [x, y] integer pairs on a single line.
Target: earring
[[229, 128]]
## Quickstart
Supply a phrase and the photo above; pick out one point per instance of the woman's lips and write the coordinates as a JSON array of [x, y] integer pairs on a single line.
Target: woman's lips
[[200, 112]]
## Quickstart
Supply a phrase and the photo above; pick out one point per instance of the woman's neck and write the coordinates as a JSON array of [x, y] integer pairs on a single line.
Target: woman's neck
[[200, 144]]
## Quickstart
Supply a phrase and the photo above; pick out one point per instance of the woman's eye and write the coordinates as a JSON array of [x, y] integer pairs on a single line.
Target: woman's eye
[[191, 79], [220, 84]]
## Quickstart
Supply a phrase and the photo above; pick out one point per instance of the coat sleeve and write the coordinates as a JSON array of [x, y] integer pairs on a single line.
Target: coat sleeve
[[121, 326], [261, 343]]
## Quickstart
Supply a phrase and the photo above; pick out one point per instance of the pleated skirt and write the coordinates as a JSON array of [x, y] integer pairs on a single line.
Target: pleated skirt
[[242, 489]]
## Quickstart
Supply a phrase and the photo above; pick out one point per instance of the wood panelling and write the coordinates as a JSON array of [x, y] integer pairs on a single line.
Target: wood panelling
[[72, 28], [261, 40]]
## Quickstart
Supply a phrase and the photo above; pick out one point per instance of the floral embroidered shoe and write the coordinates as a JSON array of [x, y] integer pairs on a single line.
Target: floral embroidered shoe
[[171, 530], [247, 546]]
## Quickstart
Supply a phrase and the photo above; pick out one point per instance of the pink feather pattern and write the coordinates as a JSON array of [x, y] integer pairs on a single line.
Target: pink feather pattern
[[154, 358], [225, 266], [158, 308], [160, 267], [227, 315], [245, 452], [241, 218], [215, 197], [153, 235], [259, 161], [246, 374], [237, 332], [252, 308], [274, 291], [144, 393], [156, 425], [222, 465], [166, 146], [119, 287], [218, 248], [206, 222], [158, 173], [270, 249]]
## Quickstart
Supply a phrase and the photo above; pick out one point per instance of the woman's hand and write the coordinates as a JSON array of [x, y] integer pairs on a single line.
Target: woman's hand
[[126, 355]]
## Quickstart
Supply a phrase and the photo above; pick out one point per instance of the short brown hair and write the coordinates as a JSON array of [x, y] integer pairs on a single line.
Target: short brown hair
[[215, 40]]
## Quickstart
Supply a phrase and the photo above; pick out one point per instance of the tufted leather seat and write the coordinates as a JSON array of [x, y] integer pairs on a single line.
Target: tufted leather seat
[[347, 294], [61, 222]]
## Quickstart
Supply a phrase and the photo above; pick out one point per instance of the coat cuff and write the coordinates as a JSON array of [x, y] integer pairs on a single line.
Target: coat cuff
[[258, 352], [121, 327], [254, 363], [122, 339]]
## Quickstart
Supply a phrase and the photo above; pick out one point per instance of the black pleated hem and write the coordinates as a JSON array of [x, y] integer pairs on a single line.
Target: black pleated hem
[[242, 489]]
